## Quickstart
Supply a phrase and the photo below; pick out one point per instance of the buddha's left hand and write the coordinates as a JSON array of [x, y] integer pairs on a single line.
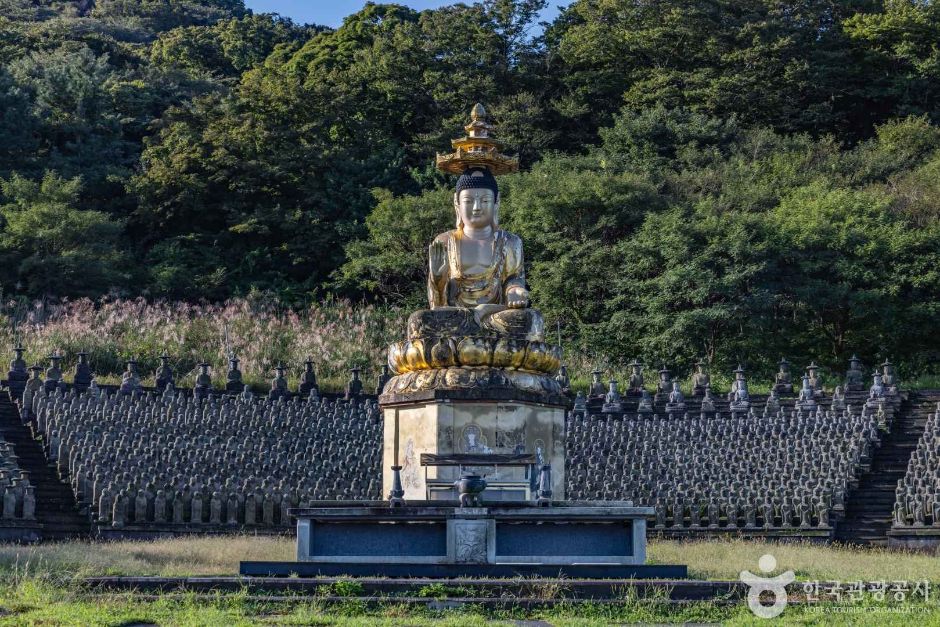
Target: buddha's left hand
[[517, 299]]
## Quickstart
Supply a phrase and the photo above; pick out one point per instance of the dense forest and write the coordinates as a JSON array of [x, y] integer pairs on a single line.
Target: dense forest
[[733, 179]]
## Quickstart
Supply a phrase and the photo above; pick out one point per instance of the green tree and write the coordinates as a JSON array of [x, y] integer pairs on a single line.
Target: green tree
[[50, 247], [18, 127], [692, 285], [831, 243], [901, 54], [80, 132], [391, 261], [162, 15], [227, 48], [572, 216], [786, 65], [278, 175]]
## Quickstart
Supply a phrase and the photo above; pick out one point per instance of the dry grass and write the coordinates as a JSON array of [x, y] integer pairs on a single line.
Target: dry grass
[[713, 559], [207, 555], [725, 559]]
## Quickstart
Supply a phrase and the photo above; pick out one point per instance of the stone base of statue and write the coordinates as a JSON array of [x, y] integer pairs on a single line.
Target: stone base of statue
[[783, 389], [473, 381], [477, 382], [498, 426], [914, 538]]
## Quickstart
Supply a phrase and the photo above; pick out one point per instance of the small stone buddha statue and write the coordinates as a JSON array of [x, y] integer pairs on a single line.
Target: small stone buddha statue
[[203, 383], [564, 380], [807, 398], [612, 401], [888, 377], [676, 399], [18, 370], [83, 375], [783, 382], [233, 379], [130, 381], [279, 387], [597, 389], [700, 379], [635, 387], [308, 379], [53, 372], [164, 375], [815, 383], [354, 385], [854, 377]]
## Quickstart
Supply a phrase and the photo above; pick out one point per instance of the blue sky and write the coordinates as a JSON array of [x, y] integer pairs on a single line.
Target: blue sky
[[332, 12]]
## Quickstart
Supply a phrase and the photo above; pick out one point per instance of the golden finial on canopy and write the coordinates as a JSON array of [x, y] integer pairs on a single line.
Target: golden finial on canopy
[[478, 149]]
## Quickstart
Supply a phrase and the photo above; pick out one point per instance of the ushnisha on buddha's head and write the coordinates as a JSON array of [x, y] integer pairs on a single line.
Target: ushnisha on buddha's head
[[476, 201]]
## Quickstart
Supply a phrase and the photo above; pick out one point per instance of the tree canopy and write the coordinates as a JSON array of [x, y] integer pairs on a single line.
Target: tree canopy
[[717, 178]]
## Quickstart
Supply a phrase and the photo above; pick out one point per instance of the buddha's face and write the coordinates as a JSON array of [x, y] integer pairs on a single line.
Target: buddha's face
[[476, 207]]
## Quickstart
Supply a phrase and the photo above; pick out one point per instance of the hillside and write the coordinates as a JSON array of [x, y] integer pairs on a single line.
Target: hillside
[[771, 187]]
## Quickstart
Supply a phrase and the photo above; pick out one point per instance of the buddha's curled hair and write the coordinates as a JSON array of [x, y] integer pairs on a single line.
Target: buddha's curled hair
[[477, 178]]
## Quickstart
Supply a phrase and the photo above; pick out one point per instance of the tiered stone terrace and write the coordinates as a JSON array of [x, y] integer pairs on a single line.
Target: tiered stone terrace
[[138, 461]]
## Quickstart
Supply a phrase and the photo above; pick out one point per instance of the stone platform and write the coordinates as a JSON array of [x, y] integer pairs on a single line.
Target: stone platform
[[20, 531], [433, 539], [926, 538], [434, 572], [155, 531]]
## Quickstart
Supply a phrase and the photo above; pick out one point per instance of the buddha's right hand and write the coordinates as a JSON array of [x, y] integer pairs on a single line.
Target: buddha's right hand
[[437, 256]]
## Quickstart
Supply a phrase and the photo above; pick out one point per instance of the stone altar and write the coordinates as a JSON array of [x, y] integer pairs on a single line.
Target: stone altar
[[424, 539], [514, 533]]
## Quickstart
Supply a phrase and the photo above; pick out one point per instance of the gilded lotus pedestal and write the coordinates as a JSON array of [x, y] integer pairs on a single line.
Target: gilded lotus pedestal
[[451, 348]]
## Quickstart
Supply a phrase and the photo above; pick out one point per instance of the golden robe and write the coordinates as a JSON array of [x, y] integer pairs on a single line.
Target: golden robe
[[459, 289]]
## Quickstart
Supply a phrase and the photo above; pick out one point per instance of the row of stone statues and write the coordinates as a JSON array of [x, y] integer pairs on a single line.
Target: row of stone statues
[[608, 395], [787, 470], [175, 459], [671, 400], [668, 387], [228, 459], [25, 386], [19, 498], [917, 496]]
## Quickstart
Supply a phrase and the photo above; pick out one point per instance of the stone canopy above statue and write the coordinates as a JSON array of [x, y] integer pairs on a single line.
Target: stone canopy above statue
[[480, 332]]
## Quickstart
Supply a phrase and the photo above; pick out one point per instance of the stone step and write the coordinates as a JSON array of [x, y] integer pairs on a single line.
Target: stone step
[[864, 529], [864, 516], [870, 506], [56, 509]]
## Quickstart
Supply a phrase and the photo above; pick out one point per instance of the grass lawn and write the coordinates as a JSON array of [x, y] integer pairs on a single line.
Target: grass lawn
[[37, 587], [712, 559], [38, 601]]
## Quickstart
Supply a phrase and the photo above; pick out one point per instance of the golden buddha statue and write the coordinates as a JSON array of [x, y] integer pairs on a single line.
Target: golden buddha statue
[[476, 263], [478, 266], [479, 330]]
